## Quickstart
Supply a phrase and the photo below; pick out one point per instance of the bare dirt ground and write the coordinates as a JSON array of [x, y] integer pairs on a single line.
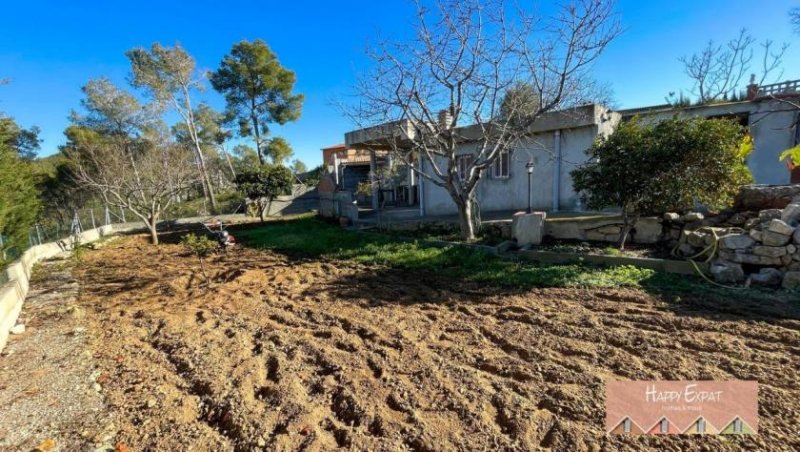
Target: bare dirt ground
[[288, 354]]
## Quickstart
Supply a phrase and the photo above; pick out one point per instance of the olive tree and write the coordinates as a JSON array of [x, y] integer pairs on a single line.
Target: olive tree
[[650, 169], [464, 56]]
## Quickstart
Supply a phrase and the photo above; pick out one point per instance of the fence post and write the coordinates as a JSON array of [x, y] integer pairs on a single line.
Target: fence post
[[39, 233], [2, 247], [91, 214], [108, 216], [122, 211]]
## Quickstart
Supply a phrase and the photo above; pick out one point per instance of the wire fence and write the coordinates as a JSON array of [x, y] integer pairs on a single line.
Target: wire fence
[[55, 229]]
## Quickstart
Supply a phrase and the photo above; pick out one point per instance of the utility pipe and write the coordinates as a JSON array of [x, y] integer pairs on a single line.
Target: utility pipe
[[556, 170]]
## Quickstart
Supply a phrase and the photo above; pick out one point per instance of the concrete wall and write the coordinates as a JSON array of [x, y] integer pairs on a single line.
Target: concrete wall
[[771, 124], [12, 294]]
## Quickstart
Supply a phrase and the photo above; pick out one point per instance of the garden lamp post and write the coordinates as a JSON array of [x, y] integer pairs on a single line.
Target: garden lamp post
[[529, 167]]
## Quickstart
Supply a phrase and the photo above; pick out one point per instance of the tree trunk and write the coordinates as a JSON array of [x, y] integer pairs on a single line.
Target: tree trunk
[[627, 224], [261, 208], [465, 218], [256, 133], [151, 225]]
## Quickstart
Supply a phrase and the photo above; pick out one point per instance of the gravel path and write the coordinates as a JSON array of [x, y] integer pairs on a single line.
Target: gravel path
[[49, 394]]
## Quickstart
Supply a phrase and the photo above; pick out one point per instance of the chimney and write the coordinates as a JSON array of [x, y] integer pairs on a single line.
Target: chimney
[[445, 119], [752, 88]]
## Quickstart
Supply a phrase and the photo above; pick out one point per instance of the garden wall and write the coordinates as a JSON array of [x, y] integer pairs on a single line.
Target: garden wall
[[12, 293]]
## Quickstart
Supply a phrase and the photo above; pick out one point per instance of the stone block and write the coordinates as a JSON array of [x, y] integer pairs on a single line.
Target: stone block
[[769, 214], [770, 251], [791, 280], [726, 272], [767, 277], [737, 241], [796, 237], [750, 259], [671, 216], [780, 227], [697, 239], [609, 229], [771, 238], [791, 214], [756, 235], [692, 216], [528, 228], [751, 223]]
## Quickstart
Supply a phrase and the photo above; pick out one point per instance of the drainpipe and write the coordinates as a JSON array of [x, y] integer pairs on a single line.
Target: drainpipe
[[557, 170], [373, 167], [421, 188]]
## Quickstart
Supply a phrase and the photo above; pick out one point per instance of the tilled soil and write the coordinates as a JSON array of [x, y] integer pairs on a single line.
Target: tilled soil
[[290, 354]]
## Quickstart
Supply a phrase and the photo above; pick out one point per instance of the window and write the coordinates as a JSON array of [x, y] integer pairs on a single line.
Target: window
[[664, 427], [701, 425], [626, 426], [463, 162], [737, 425], [502, 166]]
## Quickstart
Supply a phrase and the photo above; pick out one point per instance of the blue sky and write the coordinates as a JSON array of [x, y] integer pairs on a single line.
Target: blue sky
[[50, 49]]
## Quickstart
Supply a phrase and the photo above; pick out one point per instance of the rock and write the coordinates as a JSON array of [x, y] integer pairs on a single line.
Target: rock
[[770, 214], [151, 402], [770, 251], [697, 239], [791, 214], [756, 235], [793, 267], [528, 228], [771, 238], [750, 259], [737, 219], [767, 277], [17, 329], [791, 249], [726, 272], [672, 216], [786, 260], [506, 246], [737, 241], [796, 237], [791, 280], [751, 223], [686, 250], [647, 230], [781, 227], [759, 197], [692, 216]]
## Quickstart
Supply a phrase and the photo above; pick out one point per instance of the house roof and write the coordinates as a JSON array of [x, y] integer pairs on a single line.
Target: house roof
[[380, 135], [335, 146]]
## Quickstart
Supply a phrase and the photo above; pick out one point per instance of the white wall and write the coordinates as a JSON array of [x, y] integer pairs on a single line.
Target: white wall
[[512, 193]]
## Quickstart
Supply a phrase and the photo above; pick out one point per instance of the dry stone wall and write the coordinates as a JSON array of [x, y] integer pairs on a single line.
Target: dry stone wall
[[759, 245]]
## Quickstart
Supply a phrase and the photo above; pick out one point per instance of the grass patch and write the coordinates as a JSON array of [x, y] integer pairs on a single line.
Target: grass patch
[[312, 237]]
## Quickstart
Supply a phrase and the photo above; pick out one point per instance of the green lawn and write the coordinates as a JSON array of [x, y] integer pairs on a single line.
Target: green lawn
[[312, 237]]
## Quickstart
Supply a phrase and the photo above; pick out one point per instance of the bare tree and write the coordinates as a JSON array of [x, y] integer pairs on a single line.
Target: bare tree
[[794, 18], [465, 56], [144, 181], [169, 75], [718, 70]]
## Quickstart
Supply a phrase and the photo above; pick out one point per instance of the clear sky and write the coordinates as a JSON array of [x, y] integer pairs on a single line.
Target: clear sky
[[50, 49]]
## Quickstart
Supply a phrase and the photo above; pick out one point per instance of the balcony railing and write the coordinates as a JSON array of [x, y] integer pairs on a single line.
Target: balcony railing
[[782, 88]]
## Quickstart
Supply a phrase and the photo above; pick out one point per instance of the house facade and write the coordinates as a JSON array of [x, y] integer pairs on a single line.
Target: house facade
[[557, 143]]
